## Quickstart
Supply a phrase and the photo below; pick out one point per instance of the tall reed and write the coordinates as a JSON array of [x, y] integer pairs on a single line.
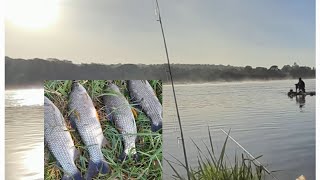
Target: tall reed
[[213, 167]]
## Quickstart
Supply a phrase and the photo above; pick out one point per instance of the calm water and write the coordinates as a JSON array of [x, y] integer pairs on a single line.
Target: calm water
[[24, 134], [261, 117]]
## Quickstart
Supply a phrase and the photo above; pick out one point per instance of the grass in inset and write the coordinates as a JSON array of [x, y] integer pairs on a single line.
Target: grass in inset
[[148, 146]]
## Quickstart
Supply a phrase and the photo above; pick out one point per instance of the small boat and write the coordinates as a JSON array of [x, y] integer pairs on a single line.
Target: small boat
[[291, 93]]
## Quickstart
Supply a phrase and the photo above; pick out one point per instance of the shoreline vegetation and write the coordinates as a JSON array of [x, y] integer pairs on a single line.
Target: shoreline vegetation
[[218, 166], [40, 86], [21, 73]]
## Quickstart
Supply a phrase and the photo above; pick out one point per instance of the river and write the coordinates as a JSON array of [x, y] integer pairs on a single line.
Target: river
[[262, 118], [260, 115]]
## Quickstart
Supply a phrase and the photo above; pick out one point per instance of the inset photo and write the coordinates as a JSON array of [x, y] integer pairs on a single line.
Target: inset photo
[[103, 129]]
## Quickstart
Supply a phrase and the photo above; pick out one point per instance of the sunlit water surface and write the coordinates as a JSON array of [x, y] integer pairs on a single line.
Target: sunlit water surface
[[261, 117], [24, 134]]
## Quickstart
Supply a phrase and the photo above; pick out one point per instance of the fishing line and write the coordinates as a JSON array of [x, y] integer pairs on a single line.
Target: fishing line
[[167, 77], [173, 90], [171, 115], [249, 154]]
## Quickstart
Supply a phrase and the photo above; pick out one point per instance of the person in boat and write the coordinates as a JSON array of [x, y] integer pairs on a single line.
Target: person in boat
[[300, 85], [291, 93]]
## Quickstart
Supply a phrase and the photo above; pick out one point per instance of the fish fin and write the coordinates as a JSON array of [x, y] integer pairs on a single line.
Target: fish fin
[[155, 127], [141, 101], [134, 112], [73, 124], [137, 103], [76, 176], [73, 119], [97, 116], [103, 167], [136, 157], [94, 169], [123, 156], [58, 164], [66, 177], [76, 154], [105, 143], [109, 114]]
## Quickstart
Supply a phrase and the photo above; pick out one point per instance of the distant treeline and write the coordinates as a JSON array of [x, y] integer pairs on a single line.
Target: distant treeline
[[20, 72]]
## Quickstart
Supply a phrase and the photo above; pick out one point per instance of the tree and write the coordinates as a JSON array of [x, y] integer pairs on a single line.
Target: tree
[[274, 68], [248, 68], [286, 68]]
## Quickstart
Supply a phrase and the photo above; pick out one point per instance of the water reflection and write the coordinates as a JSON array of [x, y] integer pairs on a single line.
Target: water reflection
[[24, 97], [33, 160], [24, 134], [301, 101]]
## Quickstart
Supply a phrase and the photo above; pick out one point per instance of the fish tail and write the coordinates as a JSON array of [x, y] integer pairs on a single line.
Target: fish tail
[[103, 167], [156, 127], [124, 157], [136, 157], [65, 177], [76, 176], [95, 168]]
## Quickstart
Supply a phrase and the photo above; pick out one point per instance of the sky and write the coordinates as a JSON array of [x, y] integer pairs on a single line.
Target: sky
[[235, 32]]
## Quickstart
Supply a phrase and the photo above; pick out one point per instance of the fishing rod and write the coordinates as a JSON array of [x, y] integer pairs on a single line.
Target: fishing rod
[[173, 90], [249, 154]]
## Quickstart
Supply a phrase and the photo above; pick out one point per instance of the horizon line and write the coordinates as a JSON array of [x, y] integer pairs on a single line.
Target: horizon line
[[84, 63]]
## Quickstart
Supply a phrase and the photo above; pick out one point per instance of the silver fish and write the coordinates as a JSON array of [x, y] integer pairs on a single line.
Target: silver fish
[[119, 111], [142, 93], [84, 118], [59, 141]]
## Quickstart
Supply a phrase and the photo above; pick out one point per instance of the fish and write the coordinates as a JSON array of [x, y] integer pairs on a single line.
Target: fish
[[59, 141], [84, 118], [119, 111], [142, 93]]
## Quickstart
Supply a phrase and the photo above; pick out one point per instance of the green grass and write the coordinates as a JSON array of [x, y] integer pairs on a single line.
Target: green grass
[[149, 144], [215, 167]]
